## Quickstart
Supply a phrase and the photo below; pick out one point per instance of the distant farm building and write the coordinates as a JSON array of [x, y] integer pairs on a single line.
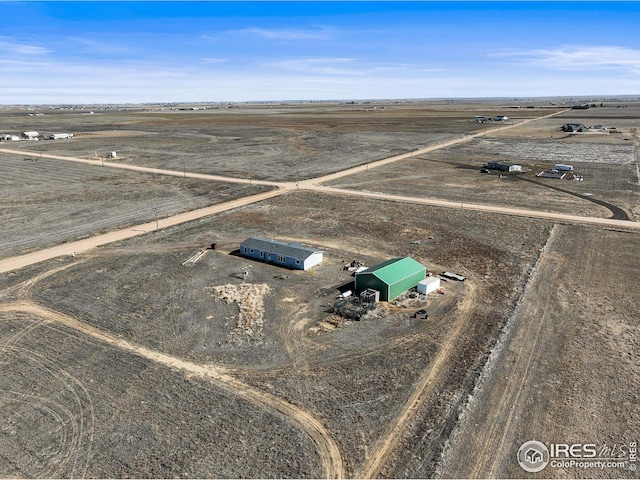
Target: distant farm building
[[563, 168], [30, 135], [481, 118], [60, 136], [391, 278], [505, 167], [428, 285], [290, 255], [500, 118], [9, 138], [574, 127]]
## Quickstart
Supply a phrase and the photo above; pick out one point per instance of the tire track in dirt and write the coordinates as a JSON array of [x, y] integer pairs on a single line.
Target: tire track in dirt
[[511, 401], [77, 431], [426, 385], [61, 415], [329, 452], [521, 339], [332, 460]]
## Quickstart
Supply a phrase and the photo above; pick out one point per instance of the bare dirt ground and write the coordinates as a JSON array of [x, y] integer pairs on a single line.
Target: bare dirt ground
[[132, 361], [357, 379], [282, 144], [567, 372], [607, 163], [46, 202]]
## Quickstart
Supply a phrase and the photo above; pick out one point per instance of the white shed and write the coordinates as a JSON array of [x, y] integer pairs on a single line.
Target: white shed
[[428, 285], [30, 135]]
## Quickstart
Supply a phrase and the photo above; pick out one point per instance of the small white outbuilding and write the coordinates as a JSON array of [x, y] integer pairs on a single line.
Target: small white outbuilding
[[428, 285]]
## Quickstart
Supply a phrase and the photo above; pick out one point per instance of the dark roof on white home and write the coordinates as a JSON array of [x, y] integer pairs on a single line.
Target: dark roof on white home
[[291, 250]]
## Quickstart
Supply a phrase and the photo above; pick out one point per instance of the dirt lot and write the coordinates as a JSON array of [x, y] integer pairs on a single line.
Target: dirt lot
[[130, 362], [75, 408], [46, 202]]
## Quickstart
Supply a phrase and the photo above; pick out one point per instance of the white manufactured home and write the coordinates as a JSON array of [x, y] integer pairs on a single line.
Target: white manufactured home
[[290, 255]]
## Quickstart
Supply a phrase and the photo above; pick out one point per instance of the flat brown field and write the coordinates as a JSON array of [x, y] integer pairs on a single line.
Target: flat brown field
[[125, 362], [608, 165], [571, 362], [355, 378], [279, 144], [46, 202]]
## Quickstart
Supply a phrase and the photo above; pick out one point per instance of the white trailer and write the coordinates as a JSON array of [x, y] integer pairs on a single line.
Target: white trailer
[[60, 136], [563, 168]]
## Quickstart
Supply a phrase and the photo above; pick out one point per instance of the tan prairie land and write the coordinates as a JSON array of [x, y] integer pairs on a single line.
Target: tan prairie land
[[128, 348]]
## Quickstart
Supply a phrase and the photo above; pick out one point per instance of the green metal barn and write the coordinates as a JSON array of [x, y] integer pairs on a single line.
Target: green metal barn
[[391, 278]]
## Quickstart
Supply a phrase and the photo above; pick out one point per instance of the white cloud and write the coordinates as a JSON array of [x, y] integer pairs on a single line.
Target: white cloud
[[344, 66], [319, 65], [212, 61], [100, 47], [576, 57], [9, 47], [53, 80], [286, 34]]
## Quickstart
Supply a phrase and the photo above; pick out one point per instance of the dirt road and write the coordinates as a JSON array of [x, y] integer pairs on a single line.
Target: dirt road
[[136, 168], [508, 403], [312, 184], [329, 452], [520, 212], [426, 385], [421, 151], [81, 246], [566, 365]]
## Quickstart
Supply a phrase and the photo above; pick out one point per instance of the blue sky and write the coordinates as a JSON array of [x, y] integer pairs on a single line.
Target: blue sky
[[116, 52]]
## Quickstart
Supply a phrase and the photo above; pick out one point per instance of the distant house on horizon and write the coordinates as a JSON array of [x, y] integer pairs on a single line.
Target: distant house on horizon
[[30, 135], [505, 167]]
